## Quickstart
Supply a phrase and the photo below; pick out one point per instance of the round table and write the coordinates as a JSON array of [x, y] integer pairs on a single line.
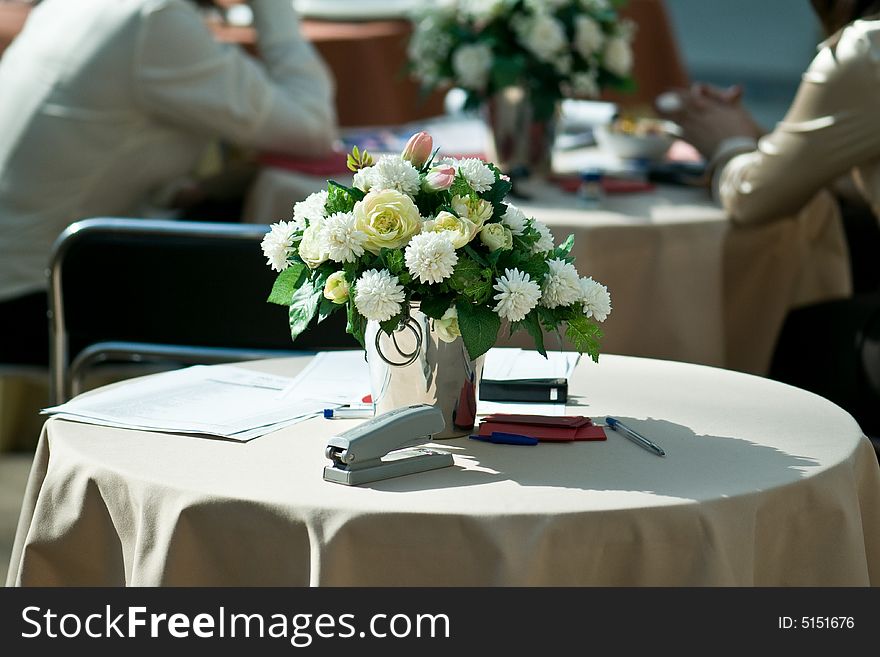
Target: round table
[[763, 484]]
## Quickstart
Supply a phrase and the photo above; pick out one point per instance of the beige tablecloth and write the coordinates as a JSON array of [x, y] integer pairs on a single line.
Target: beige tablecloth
[[685, 284], [763, 484]]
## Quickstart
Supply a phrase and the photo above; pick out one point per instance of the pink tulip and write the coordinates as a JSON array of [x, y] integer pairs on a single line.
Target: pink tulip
[[439, 178], [418, 149]]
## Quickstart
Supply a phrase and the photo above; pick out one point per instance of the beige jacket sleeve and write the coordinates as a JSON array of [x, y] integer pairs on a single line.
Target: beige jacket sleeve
[[283, 103], [832, 126]]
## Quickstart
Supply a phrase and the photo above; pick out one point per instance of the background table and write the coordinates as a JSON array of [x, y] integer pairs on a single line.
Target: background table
[[763, 484], [685, 284]]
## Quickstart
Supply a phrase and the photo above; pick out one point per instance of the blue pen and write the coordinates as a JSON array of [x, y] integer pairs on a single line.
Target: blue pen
[[634, 436], [501, 438]]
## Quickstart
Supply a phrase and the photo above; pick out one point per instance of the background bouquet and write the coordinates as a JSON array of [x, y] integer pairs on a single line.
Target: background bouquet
[[551, 48], [437, 232]]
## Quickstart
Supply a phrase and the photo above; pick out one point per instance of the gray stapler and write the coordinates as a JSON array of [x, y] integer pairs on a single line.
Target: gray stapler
[[374, 450]]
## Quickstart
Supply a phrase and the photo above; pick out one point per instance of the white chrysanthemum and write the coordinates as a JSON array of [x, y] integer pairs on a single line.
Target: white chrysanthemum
[[393, 172], [364, 179], [514, 219], [517, 295], [545, 243], [278, 243], [588, 37], [472, 63], [596, 299], [585, 85], [543, 35], [477, 174], [311, 210], [618, 56], [561, 286], [431, 257], [379, 295], [342, 240]]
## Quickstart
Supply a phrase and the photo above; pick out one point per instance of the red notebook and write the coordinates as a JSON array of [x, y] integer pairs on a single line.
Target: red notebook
[[544, 428]]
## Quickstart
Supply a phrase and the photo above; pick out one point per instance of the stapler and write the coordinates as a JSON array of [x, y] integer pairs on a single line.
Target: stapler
[[376, 449]]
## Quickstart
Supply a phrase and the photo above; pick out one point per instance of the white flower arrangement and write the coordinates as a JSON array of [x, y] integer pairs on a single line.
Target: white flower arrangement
[[552, 48], [439, 233]]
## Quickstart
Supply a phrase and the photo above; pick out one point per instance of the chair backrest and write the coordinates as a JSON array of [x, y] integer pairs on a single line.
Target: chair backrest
[[178, 291]]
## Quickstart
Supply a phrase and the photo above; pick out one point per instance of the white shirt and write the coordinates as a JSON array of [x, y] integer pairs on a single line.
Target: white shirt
[[832, 128], [105, 101]]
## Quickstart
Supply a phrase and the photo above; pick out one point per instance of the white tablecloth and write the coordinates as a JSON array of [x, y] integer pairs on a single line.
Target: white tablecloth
[[763, 484], [685, 284]]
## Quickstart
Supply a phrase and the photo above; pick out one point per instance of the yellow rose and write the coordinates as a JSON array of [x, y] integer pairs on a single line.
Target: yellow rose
[[475, 209], [311, 248], [388, 217], [462, 230], [336, 288]]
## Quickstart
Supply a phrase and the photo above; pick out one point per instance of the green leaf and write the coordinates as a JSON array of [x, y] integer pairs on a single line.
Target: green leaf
[[357, 323], [286, 283], [435, 306], [564, 250], [466, 272], [460, 186], [479, 327], [533, 326], [479, 291], [341, 198], [304, 305], [584, 336], [327, 308], [475, 255], [394, 260]]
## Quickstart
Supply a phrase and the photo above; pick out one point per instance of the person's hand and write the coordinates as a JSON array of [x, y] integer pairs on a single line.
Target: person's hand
[[708, 115]]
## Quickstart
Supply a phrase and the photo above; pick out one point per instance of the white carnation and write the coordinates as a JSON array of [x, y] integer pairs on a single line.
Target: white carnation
[[561, 285], [517, 295], [378, 295], [431, 257], [471, 64], [342, 240], [596, 299], [544, 5], [588, 36], [545, 242], [563, 64], [514, 219], [393, 172], [278, 243], [618, 56], [477, 174]]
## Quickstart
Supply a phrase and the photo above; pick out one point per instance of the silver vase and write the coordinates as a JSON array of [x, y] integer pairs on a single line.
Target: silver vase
[[414, 366]]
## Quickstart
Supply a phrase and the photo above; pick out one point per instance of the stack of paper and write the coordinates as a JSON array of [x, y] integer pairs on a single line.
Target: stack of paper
[[224, 400]]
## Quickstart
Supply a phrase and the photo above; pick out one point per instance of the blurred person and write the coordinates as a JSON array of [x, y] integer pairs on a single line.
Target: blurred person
[[830, 135], [105, 109], [829, 130]]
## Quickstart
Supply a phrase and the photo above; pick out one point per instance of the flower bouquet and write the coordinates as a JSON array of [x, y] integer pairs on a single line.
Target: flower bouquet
[[551, 48], [518, 59], [420, 234]]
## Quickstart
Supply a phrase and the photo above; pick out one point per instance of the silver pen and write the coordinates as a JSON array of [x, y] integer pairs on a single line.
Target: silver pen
[[634, 436]]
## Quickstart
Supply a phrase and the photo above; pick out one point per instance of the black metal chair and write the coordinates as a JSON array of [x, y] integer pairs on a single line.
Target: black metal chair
[[179, 292]]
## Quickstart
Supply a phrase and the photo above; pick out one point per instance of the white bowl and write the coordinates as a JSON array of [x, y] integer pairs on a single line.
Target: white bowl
[[625, 145]]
